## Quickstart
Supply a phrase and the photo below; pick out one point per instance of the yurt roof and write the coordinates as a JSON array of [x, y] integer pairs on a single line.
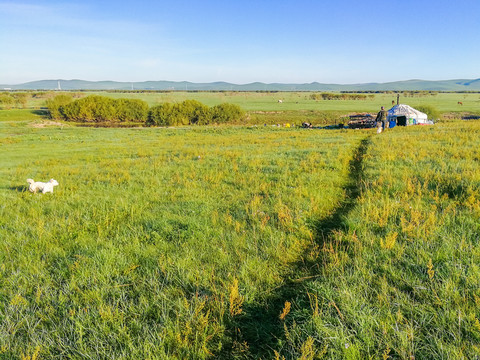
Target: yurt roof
[[406, 110]]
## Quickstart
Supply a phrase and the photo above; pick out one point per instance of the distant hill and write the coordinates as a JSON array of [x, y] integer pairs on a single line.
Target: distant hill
[[441, 85]]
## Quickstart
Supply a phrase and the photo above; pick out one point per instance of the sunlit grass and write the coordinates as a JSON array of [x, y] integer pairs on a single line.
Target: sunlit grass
[[239, 242], [135, 253], [400, 277], [301, 101]]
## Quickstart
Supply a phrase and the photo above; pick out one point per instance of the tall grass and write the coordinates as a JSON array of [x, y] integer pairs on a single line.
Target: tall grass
[[398, 276], [240, 243], [155, 240]]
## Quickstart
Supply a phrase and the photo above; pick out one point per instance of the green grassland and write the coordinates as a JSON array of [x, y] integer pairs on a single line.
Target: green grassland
[[298, 101], [21, 115], [241, 242], [149, 230], [263, 107], [397, 274]]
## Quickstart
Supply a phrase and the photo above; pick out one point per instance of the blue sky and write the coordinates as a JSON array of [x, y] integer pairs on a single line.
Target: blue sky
[[288, 41]]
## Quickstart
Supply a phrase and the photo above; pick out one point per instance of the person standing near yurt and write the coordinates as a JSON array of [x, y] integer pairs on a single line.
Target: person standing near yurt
[[381, 119]]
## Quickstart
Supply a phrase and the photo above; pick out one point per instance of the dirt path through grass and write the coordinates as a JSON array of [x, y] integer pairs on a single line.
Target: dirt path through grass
[[261, 327]]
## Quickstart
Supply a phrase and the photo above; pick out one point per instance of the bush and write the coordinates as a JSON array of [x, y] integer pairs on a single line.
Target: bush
[[188, 112], [6, 101], [21, 99], [103, 108], [162, 115], [194, 112], [134, 110], [15, 99], [225, 113], [92, 108], [96, 108], [55, 105], [432, 112], [342, 96]]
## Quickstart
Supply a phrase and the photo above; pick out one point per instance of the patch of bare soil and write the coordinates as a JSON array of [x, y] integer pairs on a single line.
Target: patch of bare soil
[[46, 123]]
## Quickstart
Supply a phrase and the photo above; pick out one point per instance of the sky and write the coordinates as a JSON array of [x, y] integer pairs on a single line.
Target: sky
[[239, 41]]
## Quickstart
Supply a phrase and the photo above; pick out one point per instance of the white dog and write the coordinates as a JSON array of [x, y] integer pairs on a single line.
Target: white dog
[[41, 186]]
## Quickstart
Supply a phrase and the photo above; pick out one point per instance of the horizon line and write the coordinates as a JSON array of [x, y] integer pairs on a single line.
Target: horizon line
[[242, 84]]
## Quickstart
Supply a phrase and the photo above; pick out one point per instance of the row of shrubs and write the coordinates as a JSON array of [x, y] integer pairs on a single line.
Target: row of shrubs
[[19, 99], [193, 112], [10, 100], [102, 109], [342, 96]]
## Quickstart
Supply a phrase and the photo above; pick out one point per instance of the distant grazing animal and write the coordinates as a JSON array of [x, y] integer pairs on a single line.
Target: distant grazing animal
[[460, 103], [280, 101], [44, 187]]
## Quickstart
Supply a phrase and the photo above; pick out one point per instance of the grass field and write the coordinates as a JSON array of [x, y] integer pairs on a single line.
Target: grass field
[[397, 275], [263, 107], [236, 242], [149, 230], [297, 101]]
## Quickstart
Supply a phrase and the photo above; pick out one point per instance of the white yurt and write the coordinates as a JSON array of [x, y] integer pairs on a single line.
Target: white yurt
[[404, 115]]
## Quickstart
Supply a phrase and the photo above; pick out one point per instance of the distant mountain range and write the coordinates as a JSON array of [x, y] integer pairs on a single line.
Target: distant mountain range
[[441, 85]]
